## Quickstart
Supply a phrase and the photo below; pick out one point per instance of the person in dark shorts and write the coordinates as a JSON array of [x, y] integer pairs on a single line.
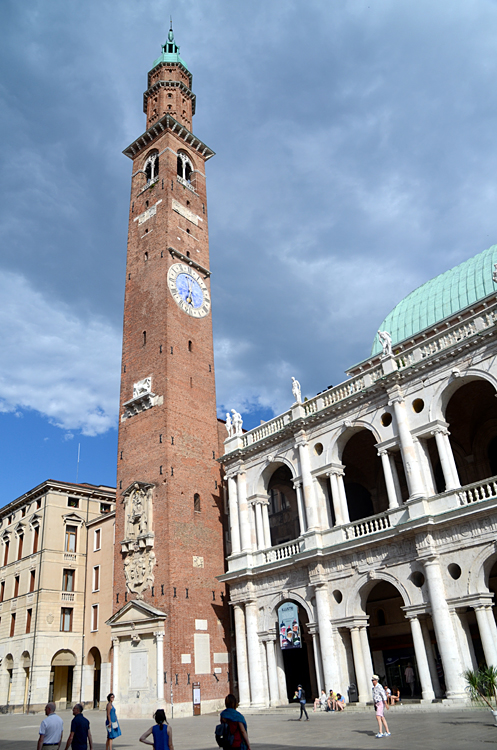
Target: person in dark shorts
[[236, 722], [162, 734], [80, 734]]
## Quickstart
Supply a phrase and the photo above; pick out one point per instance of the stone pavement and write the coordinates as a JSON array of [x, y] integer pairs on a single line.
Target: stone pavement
[[445, 729]]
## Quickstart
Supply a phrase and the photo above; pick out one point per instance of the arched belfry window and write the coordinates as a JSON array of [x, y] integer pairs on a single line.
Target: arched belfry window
[[152, 167], [185, 167]]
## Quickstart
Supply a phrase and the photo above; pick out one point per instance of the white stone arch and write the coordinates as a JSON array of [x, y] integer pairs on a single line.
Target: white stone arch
[[264, 476], [365, 584], [446, 389], [480, 568], [271, 608], [349, 429]]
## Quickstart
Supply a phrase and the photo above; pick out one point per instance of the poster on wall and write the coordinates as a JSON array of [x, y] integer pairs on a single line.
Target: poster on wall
[[288, 619]]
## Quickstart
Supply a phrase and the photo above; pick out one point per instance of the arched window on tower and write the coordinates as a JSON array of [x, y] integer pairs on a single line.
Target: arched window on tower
[[152, 167], [196, 502], [184, 168]]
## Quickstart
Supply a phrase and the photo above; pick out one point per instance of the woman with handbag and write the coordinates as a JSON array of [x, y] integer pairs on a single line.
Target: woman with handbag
[[111, 723]]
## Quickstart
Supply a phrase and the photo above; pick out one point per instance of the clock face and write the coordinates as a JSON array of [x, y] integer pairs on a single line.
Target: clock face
[[189, 291]]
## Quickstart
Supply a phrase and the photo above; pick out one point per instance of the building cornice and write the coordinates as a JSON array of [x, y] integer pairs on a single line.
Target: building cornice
[[167, 123]]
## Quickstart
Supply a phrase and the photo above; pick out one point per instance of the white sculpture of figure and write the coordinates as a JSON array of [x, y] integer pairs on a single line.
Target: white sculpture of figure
[[237, 422], [142, 386], [229, 425], [297, 393], [386, 343]]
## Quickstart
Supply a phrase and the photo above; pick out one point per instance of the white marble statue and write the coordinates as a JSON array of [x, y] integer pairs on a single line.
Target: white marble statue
[[386, 343], [297, 393], [237, 422], [229, 425], [142, 387]]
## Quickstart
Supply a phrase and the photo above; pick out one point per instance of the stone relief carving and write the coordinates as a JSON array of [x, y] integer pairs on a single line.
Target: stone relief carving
[[138, 542], [142, 387]]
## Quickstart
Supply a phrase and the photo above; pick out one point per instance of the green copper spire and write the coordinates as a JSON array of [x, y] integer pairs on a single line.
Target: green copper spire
[[170, 51]]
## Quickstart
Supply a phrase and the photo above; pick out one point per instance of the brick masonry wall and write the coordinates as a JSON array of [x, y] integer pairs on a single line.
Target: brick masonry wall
[[174, 445]]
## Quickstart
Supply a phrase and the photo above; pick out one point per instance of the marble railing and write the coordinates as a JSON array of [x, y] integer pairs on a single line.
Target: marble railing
[[266, 429], [367, 526], [282, 551], [473, 493]]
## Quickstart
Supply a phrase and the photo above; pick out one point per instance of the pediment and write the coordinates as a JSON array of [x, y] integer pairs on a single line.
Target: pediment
[[73, 518], [136, 487], [135, 612]]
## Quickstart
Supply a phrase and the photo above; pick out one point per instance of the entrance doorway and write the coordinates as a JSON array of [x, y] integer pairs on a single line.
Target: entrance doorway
[[390, 639], [95, 659], [61, 679], [298, 663]]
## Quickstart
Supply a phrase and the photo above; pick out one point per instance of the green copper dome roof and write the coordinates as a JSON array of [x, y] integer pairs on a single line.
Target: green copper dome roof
[[170, 52], [441, 297]]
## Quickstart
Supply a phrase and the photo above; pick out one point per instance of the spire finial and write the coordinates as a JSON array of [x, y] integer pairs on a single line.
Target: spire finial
[[170, 23]]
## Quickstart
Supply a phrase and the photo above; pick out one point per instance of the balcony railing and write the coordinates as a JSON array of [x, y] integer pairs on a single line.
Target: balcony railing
[[282, 551], [474, 493], [367, 526], [66, 596], [70, 556]]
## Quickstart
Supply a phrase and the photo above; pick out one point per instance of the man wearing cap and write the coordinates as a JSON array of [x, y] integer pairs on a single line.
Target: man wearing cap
[[51, 729], [380, 701], [300, 696]]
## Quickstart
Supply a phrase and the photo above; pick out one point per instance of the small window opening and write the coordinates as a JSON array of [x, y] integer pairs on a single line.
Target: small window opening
[[187, 253], [144, 338], [152, 168], [146, 204], [146, 255], [196, 502], [189, 346]]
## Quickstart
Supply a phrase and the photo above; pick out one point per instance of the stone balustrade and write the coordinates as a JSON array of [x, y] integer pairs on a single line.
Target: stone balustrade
[[474, 493], [367, 526], [282, 551]]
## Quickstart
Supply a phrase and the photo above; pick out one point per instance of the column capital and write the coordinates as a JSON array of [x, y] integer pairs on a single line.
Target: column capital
[[159, 634], [115, 640], [440, 431], [395, 396], [313, 628], [297, 484], [301, 438], [336, 471], [382, 452]]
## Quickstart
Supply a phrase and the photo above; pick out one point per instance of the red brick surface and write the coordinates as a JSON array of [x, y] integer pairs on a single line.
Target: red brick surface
[[186, 421]]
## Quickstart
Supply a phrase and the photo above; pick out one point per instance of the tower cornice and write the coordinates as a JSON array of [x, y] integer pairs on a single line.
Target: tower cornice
[[158, 128], [169, 84]]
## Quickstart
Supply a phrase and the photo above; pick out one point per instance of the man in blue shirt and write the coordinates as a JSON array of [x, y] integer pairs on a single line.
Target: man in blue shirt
[[80, 731]]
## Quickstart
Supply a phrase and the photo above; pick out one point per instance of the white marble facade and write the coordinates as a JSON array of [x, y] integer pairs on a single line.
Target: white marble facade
[[410, 436]]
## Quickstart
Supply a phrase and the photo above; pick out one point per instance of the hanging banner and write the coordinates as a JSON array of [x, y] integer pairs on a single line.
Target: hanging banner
[[288, 619]]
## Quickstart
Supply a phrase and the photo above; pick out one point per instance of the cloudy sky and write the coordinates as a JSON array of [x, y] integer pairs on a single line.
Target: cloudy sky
[[356, 159]]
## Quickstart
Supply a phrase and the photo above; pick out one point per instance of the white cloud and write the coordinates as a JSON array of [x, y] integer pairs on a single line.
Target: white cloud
[[62, 366]]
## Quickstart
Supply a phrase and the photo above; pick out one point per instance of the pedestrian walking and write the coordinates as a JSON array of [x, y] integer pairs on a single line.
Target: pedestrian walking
[[300, 697], [380, 701], [236, 723], [51, 728], [111, 723], [80, 734], [162, 736]]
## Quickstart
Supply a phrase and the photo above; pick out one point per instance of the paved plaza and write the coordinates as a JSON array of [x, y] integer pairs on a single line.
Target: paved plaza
[[445, 729]]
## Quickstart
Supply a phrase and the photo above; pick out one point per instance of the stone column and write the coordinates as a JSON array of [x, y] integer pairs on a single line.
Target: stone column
[[241, 656], [343, 497], [300, 507], [233, 509], [115, 667], [393, 501], [105, 687], [312, 628], [421, 659], [328, 655], [264, 675], [443, 446], [245, 526], [311, 509], [463, 619], [265, 523], [395, 476], [335, 498], [444, 630], [431, 659], [488, 632], [159, 643], [87, 684], [272, 674], [280, 669], [359, 668], [368, 661], [462, 639], [259, 525], [254, 661], [411, 466]]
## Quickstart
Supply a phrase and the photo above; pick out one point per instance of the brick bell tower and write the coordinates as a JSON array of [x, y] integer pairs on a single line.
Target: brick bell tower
[[170, 622]]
